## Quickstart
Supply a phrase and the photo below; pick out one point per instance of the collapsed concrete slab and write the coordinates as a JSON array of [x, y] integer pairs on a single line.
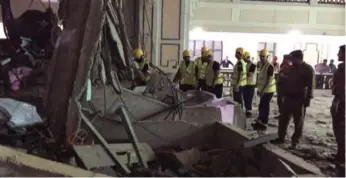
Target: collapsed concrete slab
[[265, 160], [14, 163], [200, 107]]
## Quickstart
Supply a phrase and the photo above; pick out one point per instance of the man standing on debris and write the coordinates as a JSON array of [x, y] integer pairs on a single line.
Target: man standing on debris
[[238, 79], [186, 74], [249, 89], [213, 78], [201, 66], [298, 91], [338, 112], [143, 66], [282, 76], [266, 88]]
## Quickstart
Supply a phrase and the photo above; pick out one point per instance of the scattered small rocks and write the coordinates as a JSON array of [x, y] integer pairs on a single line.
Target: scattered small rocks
[[330, 134]]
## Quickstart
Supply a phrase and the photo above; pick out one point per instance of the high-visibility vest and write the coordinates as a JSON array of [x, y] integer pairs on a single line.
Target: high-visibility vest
[[210, 73], [201, 68], [188, 73], [262, 79], [251, 80], [141, 66], [235, 74]]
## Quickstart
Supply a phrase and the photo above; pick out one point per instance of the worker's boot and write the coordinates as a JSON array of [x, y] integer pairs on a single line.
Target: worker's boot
[[248, 114], [259, 126], [294, 145], [278, 141]]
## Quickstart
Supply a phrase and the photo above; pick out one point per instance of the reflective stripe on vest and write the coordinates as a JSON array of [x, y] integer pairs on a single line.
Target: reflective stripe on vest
[[209, 72], [262, 78], [235, 74], [188, 76], [201, 68], [251, 80]]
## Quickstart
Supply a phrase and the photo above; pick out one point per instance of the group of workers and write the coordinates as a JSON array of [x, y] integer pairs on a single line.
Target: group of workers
[[294, 87], [203, 73]]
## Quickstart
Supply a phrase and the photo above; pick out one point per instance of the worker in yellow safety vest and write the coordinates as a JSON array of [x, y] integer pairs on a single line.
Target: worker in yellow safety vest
[[266, 87], [186, 74], [249, 89], [142, 74], [201, 69], [238, 79], [213, 78]]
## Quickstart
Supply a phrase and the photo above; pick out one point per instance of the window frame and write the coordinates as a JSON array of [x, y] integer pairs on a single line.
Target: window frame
[[196, 52], [271, 51]]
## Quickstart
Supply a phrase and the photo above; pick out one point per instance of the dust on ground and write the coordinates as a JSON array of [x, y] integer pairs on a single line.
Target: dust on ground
[[318, 141]]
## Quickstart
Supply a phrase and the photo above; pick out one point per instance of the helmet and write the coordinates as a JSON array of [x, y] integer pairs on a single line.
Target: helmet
[[186, 53], [246, 55], [204, 49], [207, 53], [264, 52], [138, 53], [240, 50]]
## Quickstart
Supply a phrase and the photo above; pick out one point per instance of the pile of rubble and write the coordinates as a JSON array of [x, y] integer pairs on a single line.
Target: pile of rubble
[[201, 149]]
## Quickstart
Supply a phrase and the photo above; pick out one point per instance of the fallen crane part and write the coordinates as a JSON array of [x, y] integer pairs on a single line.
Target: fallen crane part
[[15, 163]]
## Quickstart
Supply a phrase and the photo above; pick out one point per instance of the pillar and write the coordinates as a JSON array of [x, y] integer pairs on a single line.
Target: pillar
[[170, 32]]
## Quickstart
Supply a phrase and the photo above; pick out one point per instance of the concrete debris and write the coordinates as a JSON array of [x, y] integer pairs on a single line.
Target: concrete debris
[[321, 122], [18, 164]]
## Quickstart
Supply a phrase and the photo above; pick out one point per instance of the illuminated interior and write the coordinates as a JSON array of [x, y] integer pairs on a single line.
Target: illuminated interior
[[315, 47]]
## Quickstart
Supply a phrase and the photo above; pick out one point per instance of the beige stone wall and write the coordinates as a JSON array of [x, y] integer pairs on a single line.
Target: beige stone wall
[[268, 17]]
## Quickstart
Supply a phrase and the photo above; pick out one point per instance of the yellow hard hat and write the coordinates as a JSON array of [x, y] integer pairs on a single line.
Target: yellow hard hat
[[204, 49], [207, 53], [186, 53], [240, 50], [264, 52], [138, 53], [246, 55]]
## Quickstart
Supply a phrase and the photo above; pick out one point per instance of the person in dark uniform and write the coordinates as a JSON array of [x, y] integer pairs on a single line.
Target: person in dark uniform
[[282, 76], [337, 111], [226, 63], [298, 91], [332, 70]]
